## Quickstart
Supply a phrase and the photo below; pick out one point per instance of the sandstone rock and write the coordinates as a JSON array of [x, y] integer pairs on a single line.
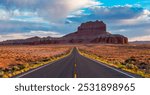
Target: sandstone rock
[[112, 39], [97, 26], [94, 32]]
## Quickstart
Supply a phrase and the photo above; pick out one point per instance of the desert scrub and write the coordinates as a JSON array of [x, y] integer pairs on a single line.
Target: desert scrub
[[29, 53], [15, 69], [131, 64], [147, 71], [1, 72]]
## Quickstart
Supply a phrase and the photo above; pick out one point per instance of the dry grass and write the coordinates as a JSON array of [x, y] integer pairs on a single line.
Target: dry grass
[[120, 52], [11, 55], [21, 58], [130, 56]]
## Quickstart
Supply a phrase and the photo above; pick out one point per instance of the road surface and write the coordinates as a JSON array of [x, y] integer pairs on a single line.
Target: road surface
[[76, 66]]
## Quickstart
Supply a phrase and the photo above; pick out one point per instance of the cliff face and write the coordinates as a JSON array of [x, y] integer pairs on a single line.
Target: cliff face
[[112, 39], [89, 32], [92, 27]]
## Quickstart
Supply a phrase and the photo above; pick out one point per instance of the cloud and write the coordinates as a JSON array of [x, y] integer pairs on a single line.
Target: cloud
[[114, 13], [44, 34], [49, 9], [17, 26], [14, 14], [128, 20], [4, 15], [33, 19], [11, 36], [18, 12], [64, 16], [144, 17], [117, 12], [76, 13], [140, 38]]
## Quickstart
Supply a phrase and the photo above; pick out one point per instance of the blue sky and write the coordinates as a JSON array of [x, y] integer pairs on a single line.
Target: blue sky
[[21, 19]]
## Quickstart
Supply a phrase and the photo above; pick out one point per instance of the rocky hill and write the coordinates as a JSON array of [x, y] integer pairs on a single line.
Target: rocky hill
[[94, 32], [89, 32]]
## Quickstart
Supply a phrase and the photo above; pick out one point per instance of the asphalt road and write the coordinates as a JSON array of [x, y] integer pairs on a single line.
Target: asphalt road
[[76, 66]]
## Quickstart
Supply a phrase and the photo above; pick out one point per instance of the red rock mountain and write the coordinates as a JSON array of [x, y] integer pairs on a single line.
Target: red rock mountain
[[89, 32], [94, 32]]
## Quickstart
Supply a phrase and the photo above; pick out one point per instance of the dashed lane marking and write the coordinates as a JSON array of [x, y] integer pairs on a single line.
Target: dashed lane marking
[[75, 70]]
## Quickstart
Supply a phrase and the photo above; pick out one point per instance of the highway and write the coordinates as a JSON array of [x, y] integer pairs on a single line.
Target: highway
[[76, 66]]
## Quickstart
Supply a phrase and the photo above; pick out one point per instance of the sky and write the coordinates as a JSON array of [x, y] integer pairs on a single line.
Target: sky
[[20, 19]]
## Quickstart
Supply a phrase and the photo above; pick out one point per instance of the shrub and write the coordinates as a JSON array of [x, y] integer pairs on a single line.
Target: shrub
[[1, 72], [20, 66], [142, 65], [45, 60], [33, 63], [8, 70], [147, 70], [131, 60], [130, 66]]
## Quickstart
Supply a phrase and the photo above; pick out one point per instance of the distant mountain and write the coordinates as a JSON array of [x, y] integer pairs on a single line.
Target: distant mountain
[[140, 42], [32, 41], [89, 32]]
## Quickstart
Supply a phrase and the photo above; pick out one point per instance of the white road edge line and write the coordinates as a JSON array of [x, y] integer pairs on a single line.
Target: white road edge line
[[28, 72], [109, 67], [81, 55], [115, 69]]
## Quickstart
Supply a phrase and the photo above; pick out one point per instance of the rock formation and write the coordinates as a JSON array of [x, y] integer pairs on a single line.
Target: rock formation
[[89, 32], [95, 27], [95, 32]]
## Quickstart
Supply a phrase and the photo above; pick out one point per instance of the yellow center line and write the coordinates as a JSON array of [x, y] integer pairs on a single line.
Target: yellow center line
[[75, 75], [75, 72], [75, 65]]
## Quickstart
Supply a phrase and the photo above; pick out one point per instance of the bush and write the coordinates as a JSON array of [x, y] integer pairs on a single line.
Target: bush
[[142, 65], [20, 66], [1, 72], [130, 66], [147, 71], [8, 70], [131, 60], [45, 60], [13, 68], [33, 63]]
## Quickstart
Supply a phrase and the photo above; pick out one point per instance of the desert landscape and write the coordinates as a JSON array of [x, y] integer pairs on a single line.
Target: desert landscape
[[134, 58], [73, 47], [131, 57], [16, 58], [91, 40]]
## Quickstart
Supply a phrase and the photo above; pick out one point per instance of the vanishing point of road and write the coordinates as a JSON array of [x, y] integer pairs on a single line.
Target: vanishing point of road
[[76, 66]]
